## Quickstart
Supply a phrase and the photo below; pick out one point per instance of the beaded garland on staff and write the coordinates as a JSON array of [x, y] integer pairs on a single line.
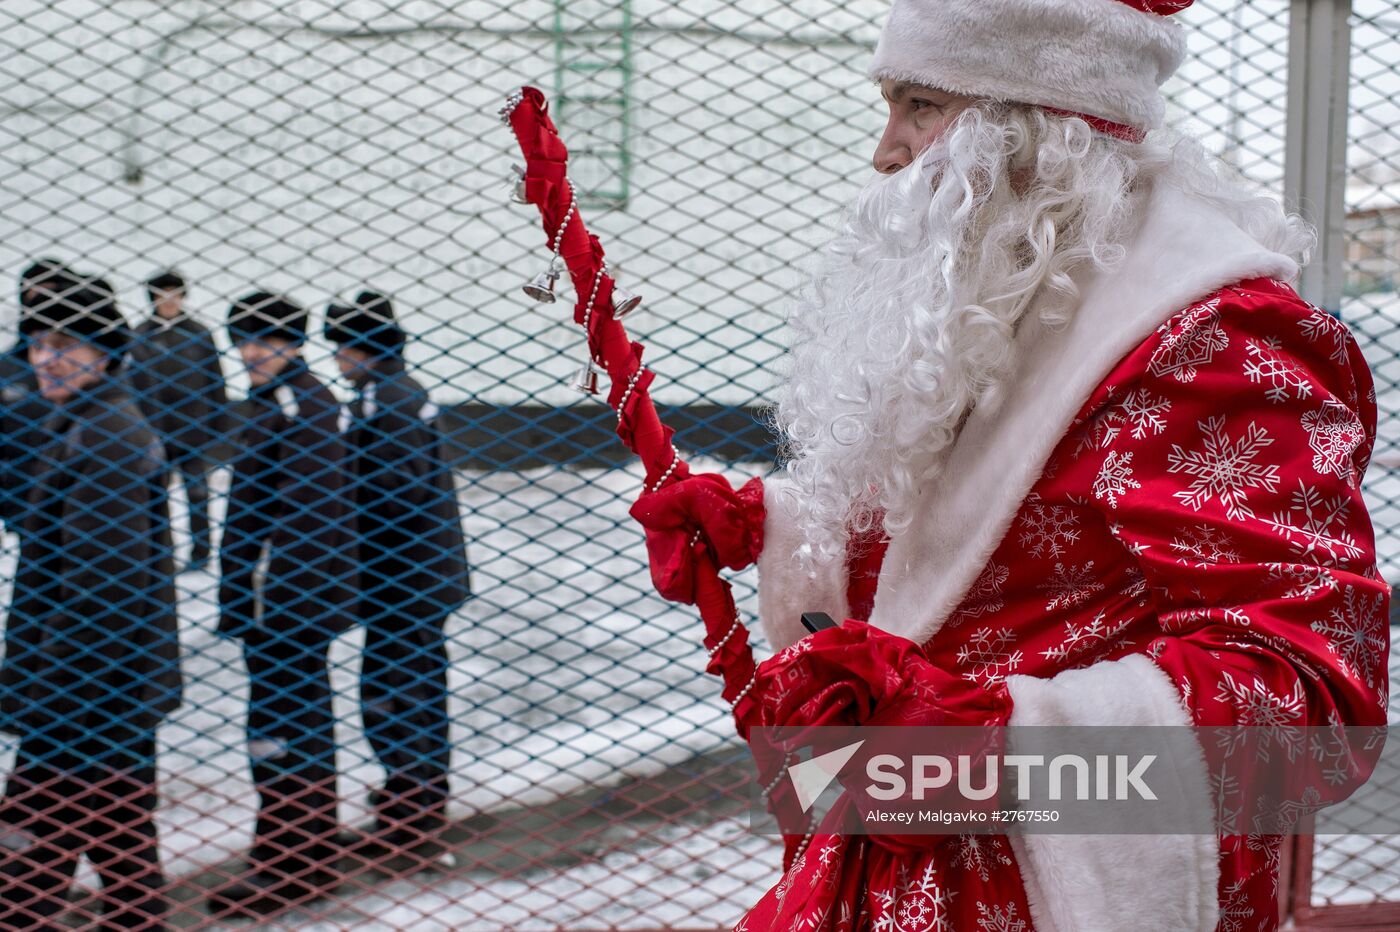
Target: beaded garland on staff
[[546, 184]]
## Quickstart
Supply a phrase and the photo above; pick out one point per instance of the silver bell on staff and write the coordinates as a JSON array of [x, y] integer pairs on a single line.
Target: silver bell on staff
[[624, 302], [587, 379], [541, 287], [517, 188]]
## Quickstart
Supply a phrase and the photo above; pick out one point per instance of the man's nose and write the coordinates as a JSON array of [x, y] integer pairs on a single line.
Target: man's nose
[[892, 154]]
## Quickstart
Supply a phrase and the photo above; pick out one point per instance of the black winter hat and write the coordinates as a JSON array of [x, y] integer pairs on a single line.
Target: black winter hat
[[81, 306], [368, 325], [167, 280], [263, 314], [48, 275]]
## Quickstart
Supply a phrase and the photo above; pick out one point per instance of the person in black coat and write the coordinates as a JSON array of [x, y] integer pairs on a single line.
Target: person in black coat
[[92, 661], [23, 409], [413, 569], [286, 590], [175, 370], [23, 412]]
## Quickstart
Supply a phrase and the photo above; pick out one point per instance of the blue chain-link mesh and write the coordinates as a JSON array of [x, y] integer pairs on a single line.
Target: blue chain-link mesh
[[546, 752]]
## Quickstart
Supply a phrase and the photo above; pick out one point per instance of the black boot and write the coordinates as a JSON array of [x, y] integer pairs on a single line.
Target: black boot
[[408, 830]]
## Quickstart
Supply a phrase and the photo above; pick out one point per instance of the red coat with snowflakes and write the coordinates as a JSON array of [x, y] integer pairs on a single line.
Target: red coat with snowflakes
[[1203, 514]]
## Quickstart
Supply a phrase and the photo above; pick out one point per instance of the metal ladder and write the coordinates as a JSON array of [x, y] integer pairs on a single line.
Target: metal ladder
[[592, 106]]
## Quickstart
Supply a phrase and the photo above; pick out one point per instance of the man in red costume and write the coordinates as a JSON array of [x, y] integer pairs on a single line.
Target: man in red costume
[[1053, 413]]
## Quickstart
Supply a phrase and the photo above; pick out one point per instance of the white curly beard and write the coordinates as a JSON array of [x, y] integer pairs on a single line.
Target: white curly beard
[[911, 312]]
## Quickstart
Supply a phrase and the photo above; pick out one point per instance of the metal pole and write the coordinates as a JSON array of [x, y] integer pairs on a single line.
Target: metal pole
[[1314, 165]]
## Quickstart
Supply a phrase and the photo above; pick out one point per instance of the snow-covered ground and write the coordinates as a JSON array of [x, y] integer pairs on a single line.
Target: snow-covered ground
[[683, 877]]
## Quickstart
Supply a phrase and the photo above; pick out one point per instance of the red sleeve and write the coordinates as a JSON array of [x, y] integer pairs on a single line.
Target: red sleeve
[[1229, 461]]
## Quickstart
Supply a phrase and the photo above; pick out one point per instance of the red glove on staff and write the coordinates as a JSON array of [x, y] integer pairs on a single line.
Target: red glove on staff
[[730, 525], [857, 674]]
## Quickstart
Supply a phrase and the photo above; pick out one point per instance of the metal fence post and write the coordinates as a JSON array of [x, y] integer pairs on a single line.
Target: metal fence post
[[1319, 73]]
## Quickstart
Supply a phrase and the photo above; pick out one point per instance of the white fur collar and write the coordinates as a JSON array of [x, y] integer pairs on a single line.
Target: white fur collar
[[1184, 250]]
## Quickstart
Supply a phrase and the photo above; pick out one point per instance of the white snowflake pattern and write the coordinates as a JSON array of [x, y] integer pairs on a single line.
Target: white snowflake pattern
[[1048, 529], [1224, 468], [799, 865], [1354, 633], [1303, 582], [1115, 477], [980, 853], [1315, 524], [1000, 918], [1204, 545], [1069, 586], [918, 906], [1268, 845], [1140, 411], [1132, 545], [783, 687], [992, 656], [1135, 584], [1190, 344], [1332, 748], [1224, 788], [792, 651], [1185, 619], [985, 595], [1256, 704], [1146, 412], [1290, 811], [1320, 325], [1334, 433], [1263, 643], [1099, 429], [1268, 362], [1085, 638], [1236, 909], [828, 851]]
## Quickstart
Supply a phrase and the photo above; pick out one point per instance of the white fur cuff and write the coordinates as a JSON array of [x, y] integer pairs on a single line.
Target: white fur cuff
[[1097, 57], [784, 591], [1109, 883]]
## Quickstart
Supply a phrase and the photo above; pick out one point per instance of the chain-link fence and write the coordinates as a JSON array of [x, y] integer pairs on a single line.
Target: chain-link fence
[[553, 734]]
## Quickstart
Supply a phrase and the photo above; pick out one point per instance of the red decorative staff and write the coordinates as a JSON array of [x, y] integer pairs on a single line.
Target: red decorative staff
[[690, 540], [695, 523]]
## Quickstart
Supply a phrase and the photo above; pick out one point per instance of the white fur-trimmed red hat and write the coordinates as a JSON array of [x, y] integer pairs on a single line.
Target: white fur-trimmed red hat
[[1105, 59]]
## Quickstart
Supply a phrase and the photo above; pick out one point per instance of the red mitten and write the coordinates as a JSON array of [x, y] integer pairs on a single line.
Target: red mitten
[[730, 525], [857, 674]]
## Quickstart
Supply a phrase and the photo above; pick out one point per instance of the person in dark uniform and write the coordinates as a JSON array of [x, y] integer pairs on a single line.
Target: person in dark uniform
[[413, 569], [92, 661], [287, 584], [177, 376], [23, 409]]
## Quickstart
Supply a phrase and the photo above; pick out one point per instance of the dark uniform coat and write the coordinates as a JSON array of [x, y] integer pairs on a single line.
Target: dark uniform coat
[[23, 412], [174, 368], [288, 512], [409, 520], [413, 575], [92, 637], [287, 590]]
